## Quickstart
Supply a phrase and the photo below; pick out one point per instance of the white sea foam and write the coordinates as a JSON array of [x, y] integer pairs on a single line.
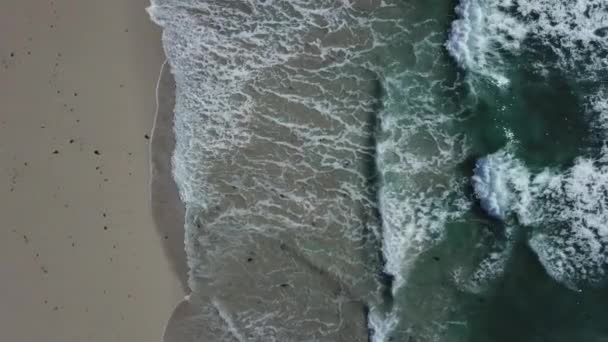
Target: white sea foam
[[260, 83]]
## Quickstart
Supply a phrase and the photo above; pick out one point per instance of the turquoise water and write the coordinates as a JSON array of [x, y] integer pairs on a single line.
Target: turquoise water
[[453, 155]]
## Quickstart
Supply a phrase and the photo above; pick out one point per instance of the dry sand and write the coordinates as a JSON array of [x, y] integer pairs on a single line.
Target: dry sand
[[80, 259]]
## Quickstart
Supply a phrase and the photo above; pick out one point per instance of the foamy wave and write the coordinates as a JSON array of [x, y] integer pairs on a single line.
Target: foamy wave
[[381, 326], [567, 212], [486, 30], [497, 178], [476, 38]]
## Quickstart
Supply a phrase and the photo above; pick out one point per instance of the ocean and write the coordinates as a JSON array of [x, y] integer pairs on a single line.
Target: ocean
[[390, 170]]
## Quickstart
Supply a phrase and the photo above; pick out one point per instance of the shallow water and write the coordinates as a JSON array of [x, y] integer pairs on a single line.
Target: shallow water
[[438, 165]]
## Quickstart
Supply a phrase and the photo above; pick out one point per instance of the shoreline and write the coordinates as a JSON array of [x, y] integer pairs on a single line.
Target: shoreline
[[167, 208]]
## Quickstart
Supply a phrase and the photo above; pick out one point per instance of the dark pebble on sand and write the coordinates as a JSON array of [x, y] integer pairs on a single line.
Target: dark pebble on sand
[[97, 152], [55, 152], [146, 136], [249, 259]]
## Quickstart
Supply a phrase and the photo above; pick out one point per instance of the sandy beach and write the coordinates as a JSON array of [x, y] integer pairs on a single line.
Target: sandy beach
[[81, 258]]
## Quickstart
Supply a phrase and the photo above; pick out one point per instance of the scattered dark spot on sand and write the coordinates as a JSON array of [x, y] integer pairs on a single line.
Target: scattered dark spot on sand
[[29, 52], [71, 109], [436, 258], [65, 205], [75, 94], [73, 244], [77, 120], [37, 255], [58, 91], [104, 214], [284, 285], [55, 152], [44, 269], [105, 227], [71, 141], [283, 247], [46, 301], [166, 237], [146, 136], [113, 246], [281, 195], [55, 308], [122, 85], [96, 167], [42, 126], [25, 239], [25, 164], [97, 152], [105, 179], [51, 26], [249, 259], [127, 30], [129, 295]]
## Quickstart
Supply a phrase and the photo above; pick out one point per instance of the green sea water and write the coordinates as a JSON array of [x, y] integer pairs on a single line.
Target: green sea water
[[543, 117]]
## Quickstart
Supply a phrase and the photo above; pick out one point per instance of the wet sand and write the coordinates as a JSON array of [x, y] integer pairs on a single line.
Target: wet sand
[[80, 257], [167, 207]]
